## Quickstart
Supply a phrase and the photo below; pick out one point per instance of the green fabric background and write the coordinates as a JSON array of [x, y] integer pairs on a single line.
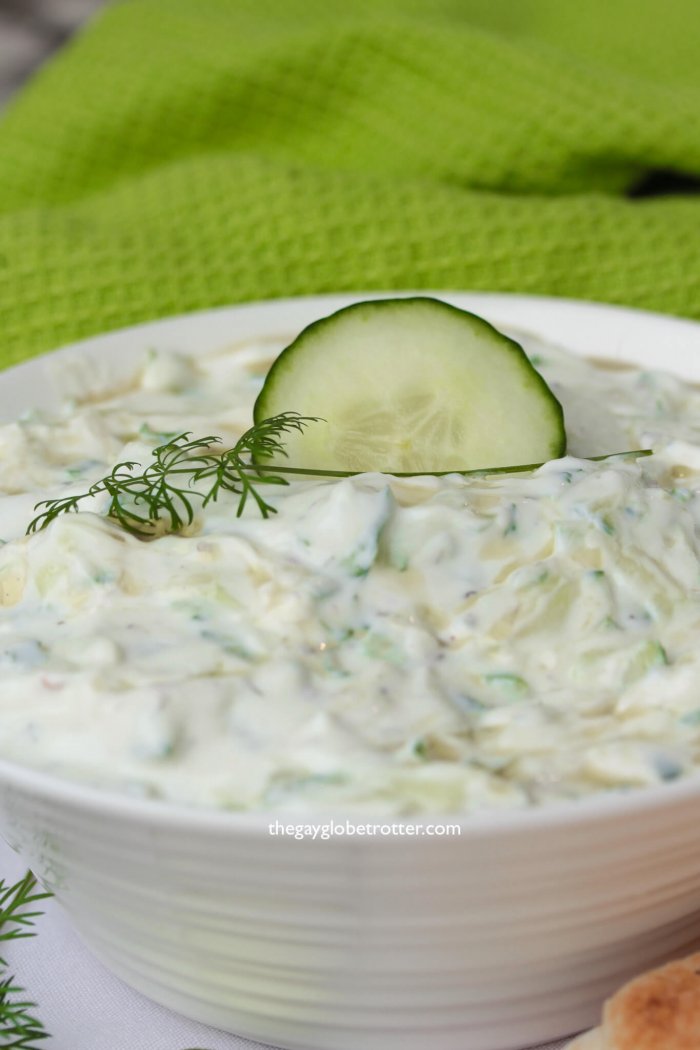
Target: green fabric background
[[188, 153]]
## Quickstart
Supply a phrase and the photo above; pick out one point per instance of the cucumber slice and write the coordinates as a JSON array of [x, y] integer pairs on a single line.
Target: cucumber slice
[[411, 385]]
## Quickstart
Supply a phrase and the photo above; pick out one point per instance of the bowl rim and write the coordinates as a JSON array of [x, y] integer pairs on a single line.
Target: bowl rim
[[603, 806]]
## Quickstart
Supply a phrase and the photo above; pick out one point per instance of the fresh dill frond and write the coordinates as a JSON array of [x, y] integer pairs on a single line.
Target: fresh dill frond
[[14, 901], [162, 498], [19, 1028], [476, 472]]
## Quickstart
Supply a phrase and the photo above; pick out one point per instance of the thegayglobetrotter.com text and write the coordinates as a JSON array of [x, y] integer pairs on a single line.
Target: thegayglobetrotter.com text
[[333, 828]]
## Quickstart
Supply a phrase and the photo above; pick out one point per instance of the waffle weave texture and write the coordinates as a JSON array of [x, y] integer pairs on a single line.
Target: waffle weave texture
[[181, 154]]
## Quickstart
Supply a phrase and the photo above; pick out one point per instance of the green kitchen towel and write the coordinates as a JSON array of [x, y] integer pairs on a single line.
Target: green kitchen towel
[[181, 154]]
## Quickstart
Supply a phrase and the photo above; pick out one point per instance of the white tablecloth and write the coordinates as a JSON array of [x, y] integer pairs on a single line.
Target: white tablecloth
[[85, 1007]]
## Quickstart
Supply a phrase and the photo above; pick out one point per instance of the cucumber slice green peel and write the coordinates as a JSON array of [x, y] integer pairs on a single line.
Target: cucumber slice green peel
[[412, 386]]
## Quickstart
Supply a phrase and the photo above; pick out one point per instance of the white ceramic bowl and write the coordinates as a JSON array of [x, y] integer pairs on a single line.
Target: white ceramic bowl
[[507, 934]]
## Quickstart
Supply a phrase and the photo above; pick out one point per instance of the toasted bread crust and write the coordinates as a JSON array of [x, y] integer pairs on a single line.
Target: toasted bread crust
[[658, 1011]]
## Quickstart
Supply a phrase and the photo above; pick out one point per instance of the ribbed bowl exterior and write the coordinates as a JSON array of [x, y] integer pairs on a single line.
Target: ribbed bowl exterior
[[505, 935]]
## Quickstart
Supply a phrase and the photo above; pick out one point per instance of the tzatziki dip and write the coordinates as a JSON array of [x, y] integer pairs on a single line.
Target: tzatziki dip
[[400, 645]]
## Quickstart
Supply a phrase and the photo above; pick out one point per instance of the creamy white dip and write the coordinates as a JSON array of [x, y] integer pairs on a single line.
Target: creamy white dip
[[396, 645]]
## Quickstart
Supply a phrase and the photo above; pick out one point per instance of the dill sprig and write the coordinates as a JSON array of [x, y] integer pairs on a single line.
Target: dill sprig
[[19, 1028], [476, 472], [162, 497]]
